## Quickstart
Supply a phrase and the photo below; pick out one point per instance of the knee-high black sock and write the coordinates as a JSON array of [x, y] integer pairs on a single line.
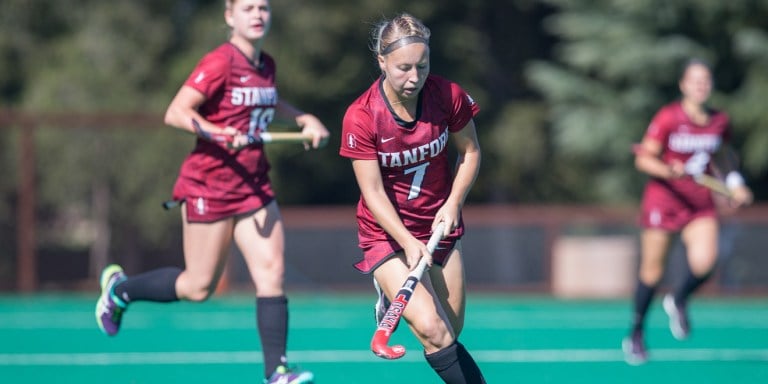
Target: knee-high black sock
[[157, 285], [689, 286], [272, 324], [643, 296], [455, 365]]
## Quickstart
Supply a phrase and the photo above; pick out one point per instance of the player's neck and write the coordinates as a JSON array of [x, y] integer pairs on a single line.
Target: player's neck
[[696, 112], [251, 49]]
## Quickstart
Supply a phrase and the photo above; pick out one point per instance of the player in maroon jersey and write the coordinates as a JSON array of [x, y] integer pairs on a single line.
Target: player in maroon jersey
[[227, 100], [396, 134], [680, 142]]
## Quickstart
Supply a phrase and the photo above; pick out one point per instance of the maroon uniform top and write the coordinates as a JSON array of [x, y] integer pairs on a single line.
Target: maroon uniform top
[[412, 156], [238, 94], [681, 139]]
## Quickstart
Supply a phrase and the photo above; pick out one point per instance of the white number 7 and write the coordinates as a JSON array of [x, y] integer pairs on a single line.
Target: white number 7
[[418, 178]]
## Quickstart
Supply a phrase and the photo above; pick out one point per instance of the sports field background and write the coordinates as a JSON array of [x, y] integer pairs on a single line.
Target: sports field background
[[515, 339]]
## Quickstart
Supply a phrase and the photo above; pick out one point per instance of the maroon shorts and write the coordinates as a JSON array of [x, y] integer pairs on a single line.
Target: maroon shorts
[[671, 206], [672, 217], [208, 199], [375, 253], [203, 210]]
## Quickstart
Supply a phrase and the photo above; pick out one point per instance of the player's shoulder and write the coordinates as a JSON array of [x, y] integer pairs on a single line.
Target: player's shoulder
[[367, 100], [222, 51], [440, 83], [447, 89], [669, 114], [220, 56], [671, 108]]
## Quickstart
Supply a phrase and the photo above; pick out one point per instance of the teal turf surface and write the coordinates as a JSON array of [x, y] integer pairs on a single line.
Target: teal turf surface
[[515, 339]]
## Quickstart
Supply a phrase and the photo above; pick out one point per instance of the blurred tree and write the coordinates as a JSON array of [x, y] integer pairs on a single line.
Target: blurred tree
[[615, 66], [619, 61]]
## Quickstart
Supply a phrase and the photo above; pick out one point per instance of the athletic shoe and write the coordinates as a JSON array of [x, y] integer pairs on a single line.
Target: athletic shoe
[[109, 309], [634, 349], [382, 304], [678, 318], [283, 375]]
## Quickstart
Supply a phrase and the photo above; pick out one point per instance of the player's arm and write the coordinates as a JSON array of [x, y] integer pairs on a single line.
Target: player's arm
[[726, 162], [648, 160], [371, 186], [309, 123], [182, 112], [467, 168]]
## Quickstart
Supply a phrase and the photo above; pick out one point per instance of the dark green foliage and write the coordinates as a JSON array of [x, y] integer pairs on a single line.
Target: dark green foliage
[[615, 62], [618, 61]]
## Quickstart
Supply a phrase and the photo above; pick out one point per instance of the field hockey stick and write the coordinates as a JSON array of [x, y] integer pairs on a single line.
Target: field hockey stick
[[283, 137], [262, 137], [395, 311], [713, 184], [696, 166]]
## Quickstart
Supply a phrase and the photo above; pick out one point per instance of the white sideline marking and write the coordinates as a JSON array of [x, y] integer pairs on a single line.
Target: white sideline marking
[[356, 356]]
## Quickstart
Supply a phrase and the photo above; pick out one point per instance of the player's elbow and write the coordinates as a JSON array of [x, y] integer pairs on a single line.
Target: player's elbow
[[641, 163], [170, 117]]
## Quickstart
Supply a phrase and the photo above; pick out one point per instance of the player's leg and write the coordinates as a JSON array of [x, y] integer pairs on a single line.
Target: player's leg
[[424, 314], [654, 244], [206, 247], [449, 286], [454, 363], [205, 250], [700, 239], [428, 322], [261, 239]]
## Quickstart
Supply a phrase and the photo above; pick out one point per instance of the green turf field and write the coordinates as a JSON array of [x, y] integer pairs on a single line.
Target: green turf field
[[515, 339]]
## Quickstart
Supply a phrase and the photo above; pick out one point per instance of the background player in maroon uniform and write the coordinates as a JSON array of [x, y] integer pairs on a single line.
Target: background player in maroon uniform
[[224, 185], [396, 135], [680, 143]]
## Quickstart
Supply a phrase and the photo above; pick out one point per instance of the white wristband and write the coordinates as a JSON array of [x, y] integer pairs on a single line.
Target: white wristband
[[734, 180]]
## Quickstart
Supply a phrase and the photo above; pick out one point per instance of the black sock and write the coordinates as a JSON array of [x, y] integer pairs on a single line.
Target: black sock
[[272, 324], [455, 365], [643, 296], [157, 285], [690, 285]]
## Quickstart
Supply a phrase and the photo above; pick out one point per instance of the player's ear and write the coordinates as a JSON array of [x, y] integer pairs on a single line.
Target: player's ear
[[228, 17], [380, 59]]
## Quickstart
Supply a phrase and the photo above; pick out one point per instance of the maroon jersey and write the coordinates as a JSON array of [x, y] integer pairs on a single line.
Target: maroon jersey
[[238, 94], [685, 141], [412, 157]]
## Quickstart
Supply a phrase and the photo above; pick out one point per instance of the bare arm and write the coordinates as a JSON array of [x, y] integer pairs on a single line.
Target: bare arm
[[648, 160], [467, 168], [183, 109]]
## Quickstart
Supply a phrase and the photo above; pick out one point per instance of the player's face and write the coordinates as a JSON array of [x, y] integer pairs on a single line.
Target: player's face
[[406, 69], [249, 19], [696, 84]]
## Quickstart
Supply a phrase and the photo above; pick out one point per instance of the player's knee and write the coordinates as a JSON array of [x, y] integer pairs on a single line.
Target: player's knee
[[433, 331], [272, 266], [201, 291]]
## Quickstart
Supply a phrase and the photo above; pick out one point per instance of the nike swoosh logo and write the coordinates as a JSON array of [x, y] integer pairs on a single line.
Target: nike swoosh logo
[[243, 79], [383, 140]]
